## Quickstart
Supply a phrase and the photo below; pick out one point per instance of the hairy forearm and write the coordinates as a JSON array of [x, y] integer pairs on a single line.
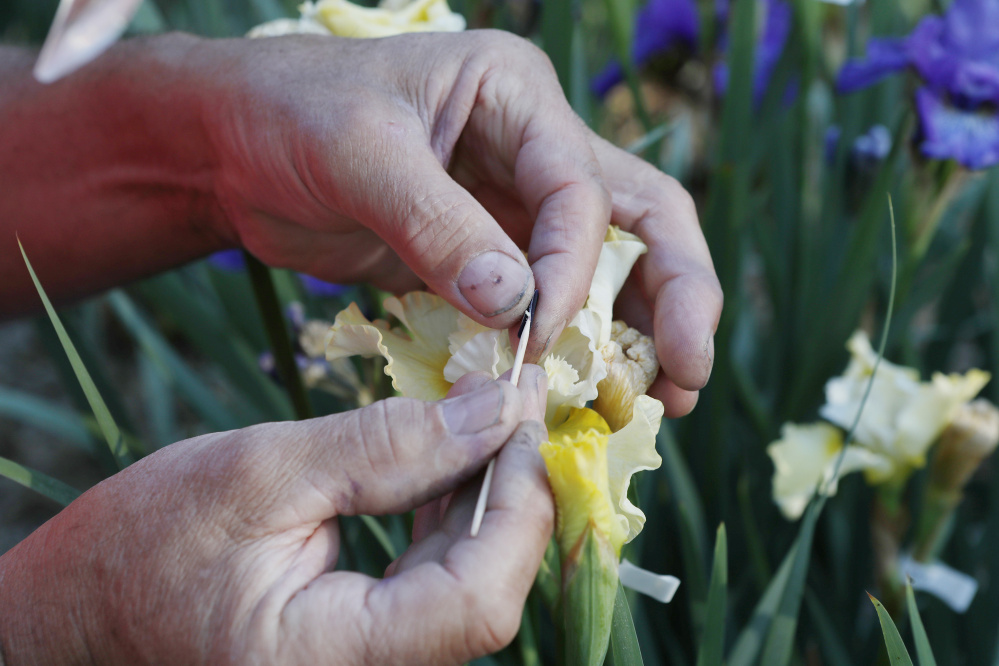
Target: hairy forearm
[[105, 175]]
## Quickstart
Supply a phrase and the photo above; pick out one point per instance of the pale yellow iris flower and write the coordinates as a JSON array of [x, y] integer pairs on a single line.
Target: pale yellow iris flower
[[902, 418], [345, 19]]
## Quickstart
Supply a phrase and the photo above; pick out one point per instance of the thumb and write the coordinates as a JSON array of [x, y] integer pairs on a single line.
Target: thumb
[[396, 454], [448, 239]]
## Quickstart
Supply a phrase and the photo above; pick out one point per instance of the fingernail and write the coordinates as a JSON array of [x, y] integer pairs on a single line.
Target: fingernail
[[538, 347], [493, 282], [474, 412]]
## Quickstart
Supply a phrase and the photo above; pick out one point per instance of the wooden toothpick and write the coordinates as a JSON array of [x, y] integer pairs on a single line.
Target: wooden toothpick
[[518, 364]]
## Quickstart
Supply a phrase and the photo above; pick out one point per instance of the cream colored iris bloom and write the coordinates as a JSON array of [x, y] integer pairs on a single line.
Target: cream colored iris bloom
[[595, 359], [456, 345], [805, 460], [345, 19], [590, 468], [903, 416]]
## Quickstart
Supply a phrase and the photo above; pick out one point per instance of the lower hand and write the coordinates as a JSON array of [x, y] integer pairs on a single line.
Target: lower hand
[[222, 548]]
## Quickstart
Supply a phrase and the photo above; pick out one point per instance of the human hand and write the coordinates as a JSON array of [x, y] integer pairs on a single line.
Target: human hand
[[434, 158], [222, 548]]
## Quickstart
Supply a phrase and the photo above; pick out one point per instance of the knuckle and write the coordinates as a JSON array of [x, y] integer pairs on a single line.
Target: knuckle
[[435, 224], [498, 47], [381, 430], [493, 620], [676, 195]]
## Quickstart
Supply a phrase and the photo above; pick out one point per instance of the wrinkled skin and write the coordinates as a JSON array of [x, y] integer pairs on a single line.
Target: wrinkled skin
[[221, 549]]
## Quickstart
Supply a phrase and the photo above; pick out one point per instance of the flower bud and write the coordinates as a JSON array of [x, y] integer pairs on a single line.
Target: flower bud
[[970, 438], [589, 587], [632, 366]]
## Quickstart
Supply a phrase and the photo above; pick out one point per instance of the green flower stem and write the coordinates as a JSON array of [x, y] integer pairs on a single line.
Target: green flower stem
[[526, 641], [548, 579], [277, 335], [589, 589], [889, 522]]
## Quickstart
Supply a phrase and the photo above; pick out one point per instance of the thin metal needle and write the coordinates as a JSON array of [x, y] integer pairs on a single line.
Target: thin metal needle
[[518, 364]]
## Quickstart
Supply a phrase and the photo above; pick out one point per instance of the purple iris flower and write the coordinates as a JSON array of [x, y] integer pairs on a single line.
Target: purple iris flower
[[957, 53], [659, 26], [228, 260], [233, 261], [947, 132], [957, 57], [776, 28], [321, 288]]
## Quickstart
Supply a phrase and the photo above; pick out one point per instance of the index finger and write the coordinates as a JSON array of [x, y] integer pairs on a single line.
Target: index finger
[[544, 158], [560, 181]]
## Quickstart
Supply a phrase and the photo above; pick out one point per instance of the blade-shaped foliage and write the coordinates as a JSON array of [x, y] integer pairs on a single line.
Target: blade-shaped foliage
[[104, 419], [897, 654]]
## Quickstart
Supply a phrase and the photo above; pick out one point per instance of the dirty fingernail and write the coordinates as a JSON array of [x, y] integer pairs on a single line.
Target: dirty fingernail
[[494, 282], [475, 411]]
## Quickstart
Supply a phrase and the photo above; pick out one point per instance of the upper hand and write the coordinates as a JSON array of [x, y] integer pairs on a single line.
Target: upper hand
[[221, 549], [434, 159]]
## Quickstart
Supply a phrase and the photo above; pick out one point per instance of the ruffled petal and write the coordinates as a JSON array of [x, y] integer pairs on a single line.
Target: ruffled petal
[[618, 255], [894, 386], [805, 456], [884, 56], [633, 449], [576, 459], [487, 351], [970, 137], [287, 26], [416, 357], [564, 390], [932, 409], [577, 347]]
